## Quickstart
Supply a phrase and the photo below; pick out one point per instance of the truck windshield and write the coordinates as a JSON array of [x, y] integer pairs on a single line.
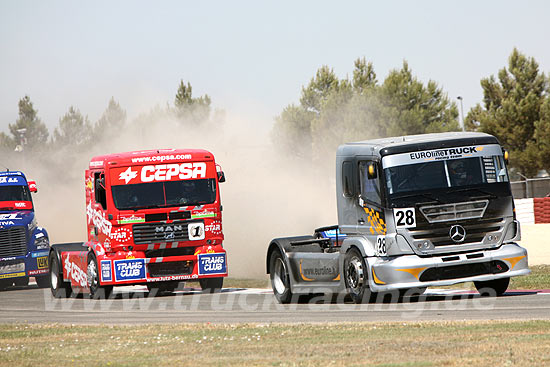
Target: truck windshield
[[15, 193], [164, 194], [445, 174]]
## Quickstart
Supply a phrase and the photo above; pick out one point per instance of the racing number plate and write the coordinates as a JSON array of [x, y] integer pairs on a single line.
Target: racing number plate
[[404, 218]]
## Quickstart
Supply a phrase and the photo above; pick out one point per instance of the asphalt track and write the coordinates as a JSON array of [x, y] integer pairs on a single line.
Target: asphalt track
[[134, 305]]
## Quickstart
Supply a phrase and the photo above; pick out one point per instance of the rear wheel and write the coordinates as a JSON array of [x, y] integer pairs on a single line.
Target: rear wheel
[[97, 291], [495, 287], [211, 285], [59, 288], [356, 277], [280, 280]]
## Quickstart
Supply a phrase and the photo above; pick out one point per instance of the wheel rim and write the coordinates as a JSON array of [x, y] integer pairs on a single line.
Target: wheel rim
[[92, 275], [280, 276], [53, 275], [355, 274]]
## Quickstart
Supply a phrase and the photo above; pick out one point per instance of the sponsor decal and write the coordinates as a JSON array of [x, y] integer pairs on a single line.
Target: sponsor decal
[[9, 216], [212, 264], [75, 273], [106, 273], [40, 253], [20, 205], [7, 258], [214, 227], [169, 231], [6, 223], [39, 234], [139, 218], [162, 158], [121, 235], [445, 153], [42, 262], [12, 275], [94, 164], [12, 180], [37, 272], [160, 172], [97, 217], [196, 231], [13, 268], [129, 269], [89, 183], [205, 214], [172, 277]]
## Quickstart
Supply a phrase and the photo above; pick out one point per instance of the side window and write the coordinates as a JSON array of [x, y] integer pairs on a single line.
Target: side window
[[99, 185], [370, 187], [347, 179]]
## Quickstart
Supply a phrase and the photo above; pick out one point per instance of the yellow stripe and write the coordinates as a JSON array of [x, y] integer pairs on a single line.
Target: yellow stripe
[[376, 279], [337, 278], [514, 260], [12, 275], [414, 271]]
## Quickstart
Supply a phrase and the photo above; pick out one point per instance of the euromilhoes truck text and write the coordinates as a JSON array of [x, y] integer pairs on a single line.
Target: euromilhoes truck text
[[413, 212], [153, 217], [24, 246]]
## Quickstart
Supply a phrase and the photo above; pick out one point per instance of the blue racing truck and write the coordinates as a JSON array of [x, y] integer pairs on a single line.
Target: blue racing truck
[[24, 246]]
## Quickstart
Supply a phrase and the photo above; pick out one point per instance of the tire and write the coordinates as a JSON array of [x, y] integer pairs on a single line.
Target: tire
[[495, 287], [22, 282], [280, 279], [43, 281], [97, 291], [59, 288], [211, 285], [356, 277]]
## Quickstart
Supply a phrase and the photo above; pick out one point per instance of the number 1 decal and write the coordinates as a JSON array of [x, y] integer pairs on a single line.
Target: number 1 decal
[[404, 218]]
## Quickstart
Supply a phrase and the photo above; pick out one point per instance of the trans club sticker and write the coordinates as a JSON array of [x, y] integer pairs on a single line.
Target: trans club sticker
[[210, 264], [106, 271], [129, 269]]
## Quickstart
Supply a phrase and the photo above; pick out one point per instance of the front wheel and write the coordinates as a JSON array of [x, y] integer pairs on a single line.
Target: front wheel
[[59, 288], [97, 291], [280, 280], [495, 287], [356, 276], [211, 285]]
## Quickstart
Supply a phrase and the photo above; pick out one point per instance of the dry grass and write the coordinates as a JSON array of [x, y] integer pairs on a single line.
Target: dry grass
[[378, 344]]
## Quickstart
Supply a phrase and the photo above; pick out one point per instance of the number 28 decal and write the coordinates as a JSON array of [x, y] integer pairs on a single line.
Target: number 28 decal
[[381, 246], [404, 218]]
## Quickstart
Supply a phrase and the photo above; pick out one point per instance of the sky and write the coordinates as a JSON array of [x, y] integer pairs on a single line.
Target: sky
[[251, 57]]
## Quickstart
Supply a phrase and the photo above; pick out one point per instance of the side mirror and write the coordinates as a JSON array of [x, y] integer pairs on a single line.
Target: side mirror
[[32, 186], [221, 176], [371, 171]]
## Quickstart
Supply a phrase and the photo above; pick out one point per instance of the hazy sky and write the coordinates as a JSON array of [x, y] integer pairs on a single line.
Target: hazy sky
[[251, 57]]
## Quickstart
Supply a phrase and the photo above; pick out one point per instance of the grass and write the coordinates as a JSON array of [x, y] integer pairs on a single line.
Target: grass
[[343, 344]]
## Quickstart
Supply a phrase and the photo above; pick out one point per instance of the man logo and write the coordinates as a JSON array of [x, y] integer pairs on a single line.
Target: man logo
[[457, 233]]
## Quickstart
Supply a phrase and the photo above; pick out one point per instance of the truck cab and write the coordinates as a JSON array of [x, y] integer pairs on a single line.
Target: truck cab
[[414, 211], [153, 217], [24, 246]]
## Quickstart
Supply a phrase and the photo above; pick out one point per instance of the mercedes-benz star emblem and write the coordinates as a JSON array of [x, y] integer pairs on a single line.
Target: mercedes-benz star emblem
[[457, 233]]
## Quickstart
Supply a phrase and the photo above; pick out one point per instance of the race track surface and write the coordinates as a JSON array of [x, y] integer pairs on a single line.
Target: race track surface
[[133, 305]]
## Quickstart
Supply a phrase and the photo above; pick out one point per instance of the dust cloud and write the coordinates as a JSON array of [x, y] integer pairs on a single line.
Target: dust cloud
[[267, 194]]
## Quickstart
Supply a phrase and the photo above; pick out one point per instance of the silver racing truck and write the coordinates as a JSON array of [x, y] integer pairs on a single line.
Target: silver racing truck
[[413, 212]]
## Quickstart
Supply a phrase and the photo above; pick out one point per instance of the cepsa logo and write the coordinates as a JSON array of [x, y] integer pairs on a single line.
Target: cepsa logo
[[159, 172]]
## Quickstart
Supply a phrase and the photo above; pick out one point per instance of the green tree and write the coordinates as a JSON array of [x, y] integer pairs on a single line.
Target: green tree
[[28, 132], [111, 121], [189, 109], [511, 110], [73, 130]]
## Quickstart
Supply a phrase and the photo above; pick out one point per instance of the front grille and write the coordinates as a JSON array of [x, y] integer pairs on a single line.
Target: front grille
[[166, 252], [463, 271], [170, 268], [458, 211], [438, 233], [13, 242], [160, 232]]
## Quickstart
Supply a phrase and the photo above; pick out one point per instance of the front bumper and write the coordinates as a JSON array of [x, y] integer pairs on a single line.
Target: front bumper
[[411, 271]]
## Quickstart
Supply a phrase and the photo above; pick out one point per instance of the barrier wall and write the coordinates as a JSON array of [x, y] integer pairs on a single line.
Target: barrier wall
[[541, 208], [533, 211]]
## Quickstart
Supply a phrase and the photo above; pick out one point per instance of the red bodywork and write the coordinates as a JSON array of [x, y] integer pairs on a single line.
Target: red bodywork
[[169, 243]]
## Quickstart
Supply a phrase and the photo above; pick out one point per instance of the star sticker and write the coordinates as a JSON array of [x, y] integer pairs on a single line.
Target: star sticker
[[127, 175]]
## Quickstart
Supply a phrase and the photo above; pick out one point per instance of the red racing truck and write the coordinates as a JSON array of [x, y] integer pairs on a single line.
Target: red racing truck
[[153, 217]]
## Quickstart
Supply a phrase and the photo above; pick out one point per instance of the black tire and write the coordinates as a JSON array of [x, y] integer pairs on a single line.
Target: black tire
[[43, 281], [280, 278], [356, 277], [97, 291], [59, 288], [21, 282], [495, 287], [211, 285]]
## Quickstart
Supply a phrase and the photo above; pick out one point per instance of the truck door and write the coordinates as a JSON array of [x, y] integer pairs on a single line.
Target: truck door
[[371, 220]]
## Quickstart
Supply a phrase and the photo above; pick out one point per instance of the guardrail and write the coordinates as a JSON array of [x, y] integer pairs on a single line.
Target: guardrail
[[531, 188]]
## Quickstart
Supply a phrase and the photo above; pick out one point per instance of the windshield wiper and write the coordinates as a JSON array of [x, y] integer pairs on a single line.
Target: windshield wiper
[[433, 199], [486, 194]]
